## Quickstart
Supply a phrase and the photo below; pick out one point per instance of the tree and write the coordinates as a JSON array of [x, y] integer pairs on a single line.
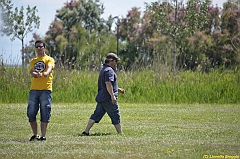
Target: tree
[[29, 49], [78, 34], [231, 29], [178, 21], [129, 32], [18, 24], [231, 5]]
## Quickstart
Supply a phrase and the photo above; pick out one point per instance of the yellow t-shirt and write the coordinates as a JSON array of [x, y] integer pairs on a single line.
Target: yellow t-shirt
[[41, 65]]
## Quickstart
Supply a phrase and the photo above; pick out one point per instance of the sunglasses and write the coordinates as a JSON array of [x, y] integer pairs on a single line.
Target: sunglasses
[[39, 47], [115, 60]]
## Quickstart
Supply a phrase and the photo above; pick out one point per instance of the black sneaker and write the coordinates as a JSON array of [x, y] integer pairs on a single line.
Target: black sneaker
[[42, 139], [84, 134], [34, 138]]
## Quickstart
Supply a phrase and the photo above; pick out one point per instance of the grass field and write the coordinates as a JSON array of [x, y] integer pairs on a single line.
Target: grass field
[[151, 131]]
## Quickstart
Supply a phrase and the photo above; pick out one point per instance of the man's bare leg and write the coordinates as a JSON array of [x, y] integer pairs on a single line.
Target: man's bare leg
[[89, 125], [118, 128], [44, 128], [34, 127]]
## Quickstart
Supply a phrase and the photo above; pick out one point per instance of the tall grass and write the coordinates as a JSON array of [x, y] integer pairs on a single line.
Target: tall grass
[[74, 86], [186, 87], [13, 87], [70, 86]]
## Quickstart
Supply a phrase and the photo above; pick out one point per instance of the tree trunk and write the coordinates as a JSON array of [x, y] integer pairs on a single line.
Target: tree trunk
[[23, 60], [174, 55]]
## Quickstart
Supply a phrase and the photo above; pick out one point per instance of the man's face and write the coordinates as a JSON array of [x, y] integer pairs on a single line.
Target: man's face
[[113, 63], [40, 48]]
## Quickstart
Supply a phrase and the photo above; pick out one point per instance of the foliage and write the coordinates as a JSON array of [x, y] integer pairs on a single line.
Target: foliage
[[129, 31], [151, 131], [76, 36], [142, 86], [12, 82], [180, 22], [17, 23], [177, 35], [231, 28]]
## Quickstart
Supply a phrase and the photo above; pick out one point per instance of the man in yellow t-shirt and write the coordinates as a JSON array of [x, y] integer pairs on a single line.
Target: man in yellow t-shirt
[[40, 95]]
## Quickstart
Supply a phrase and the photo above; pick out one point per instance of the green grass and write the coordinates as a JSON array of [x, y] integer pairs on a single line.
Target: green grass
[[146, 86], [152, 131]]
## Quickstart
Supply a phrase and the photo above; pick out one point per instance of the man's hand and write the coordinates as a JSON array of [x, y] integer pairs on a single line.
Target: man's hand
[[114, 100], [121, 90], [38, 75], [45, 74]]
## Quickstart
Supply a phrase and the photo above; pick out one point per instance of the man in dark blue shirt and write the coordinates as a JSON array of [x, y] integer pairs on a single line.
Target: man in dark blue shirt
[[107, 95]]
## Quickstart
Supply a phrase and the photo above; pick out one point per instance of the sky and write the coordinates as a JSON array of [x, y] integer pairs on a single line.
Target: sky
[[10, 51]]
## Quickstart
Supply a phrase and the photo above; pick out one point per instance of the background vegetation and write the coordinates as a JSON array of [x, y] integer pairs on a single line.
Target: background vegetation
[[191, 35], [142, 86], [173, 52]]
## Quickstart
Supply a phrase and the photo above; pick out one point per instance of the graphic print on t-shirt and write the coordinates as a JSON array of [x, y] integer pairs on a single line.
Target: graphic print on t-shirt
[[40, 66]]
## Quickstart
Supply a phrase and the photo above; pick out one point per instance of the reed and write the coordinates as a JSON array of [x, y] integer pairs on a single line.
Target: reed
[[145, 86]]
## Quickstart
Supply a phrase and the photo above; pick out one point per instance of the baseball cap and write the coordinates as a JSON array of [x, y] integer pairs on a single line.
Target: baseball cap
[[112, 56]]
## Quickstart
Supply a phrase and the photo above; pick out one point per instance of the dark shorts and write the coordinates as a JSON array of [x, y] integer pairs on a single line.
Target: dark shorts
[[106, 107], [39, 99]]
